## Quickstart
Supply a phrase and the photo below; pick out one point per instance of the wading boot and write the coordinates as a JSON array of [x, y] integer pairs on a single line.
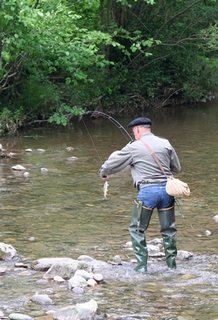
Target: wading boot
[[140, 220], [168, 231]]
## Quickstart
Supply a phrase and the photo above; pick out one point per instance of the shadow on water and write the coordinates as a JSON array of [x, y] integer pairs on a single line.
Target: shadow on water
[[63, 213]]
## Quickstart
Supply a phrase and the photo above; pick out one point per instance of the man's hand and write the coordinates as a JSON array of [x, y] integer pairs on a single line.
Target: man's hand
[[104, 177]]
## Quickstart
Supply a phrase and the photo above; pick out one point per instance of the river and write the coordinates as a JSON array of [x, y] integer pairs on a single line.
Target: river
[[62, 212]]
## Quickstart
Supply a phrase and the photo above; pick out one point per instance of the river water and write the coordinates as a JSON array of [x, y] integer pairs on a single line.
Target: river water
[[62, 212]]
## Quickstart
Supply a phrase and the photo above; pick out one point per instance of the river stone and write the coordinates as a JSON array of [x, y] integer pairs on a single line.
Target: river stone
[[78, 290], [21, 265], [69, 148], [153, 248], [156, 241], [41, 299], [19, 316], [18, 167], [92, 263], [115, 317], [8, 249], [58, 279], [184, 255], [98, 277], [86, 258], [91, 283], [86, 275], [72, 158], [96, 265], [128, 245], [2, 271], [26, 174], [81, 311], [44, 264], [64, 269], [216, 218], [77, 281]]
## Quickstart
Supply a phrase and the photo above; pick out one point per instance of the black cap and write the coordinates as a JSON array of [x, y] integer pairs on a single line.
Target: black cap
[[140, 122]]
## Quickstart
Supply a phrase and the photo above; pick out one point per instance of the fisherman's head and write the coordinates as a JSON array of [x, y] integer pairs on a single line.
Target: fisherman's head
[[139, 126]]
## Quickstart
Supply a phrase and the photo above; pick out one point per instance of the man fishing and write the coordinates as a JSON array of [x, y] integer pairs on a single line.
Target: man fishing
[[151, 184]]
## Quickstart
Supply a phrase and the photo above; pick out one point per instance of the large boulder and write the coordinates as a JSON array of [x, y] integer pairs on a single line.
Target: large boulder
[[44, 264], [64, 269]]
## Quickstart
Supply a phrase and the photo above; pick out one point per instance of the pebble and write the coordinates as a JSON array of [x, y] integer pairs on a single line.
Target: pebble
[[2, 271], [58, 279], [18, 167], [98, 277], [32, 239], [216, 218], [72, 158], [26, 174], [86, 275], [19, 316], [20, 265], [78, 290], [70, 148], [41, 299], [208, 232], [91, 283]]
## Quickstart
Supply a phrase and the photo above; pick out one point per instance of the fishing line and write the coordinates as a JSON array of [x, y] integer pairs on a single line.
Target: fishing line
[[181, 212], [90, 137], [118, 125], [105, 186]]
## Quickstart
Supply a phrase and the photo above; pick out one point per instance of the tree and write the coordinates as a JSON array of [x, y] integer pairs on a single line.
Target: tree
[[57, 57], [164, 48], [43, 48]]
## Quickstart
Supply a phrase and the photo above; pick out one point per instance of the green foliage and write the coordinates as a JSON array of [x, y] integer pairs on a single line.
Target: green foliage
[[129, 3], [64, 114], [10, 121], [45, 43], [58, 54], [203, 84], [40, 95]]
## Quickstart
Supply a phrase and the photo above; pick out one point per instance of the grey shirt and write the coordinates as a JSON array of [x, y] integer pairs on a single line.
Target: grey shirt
[[142, 164]]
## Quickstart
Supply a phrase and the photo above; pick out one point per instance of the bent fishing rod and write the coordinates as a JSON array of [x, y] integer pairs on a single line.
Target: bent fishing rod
[[114, 121], [118, 125]]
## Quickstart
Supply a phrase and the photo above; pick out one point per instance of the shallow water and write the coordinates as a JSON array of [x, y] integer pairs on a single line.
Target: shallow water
[[63, 213]]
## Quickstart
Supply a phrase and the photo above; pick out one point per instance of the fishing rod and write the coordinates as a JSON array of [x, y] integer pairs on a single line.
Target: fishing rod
[[118, 125], [114, 121]]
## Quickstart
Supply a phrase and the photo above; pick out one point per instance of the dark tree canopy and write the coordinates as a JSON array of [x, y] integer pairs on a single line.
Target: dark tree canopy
[[61, 58]]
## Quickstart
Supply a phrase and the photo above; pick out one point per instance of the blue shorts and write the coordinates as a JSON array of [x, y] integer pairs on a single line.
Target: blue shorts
[[155, 196]]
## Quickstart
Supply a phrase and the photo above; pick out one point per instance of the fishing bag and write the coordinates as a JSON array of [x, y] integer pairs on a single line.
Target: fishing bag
[[174, 186], [177, 188]]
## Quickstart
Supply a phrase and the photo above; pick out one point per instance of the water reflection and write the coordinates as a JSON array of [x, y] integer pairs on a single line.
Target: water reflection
[[65, 212]]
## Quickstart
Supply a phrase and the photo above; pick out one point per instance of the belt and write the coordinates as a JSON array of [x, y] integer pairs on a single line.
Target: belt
[[142, 182]]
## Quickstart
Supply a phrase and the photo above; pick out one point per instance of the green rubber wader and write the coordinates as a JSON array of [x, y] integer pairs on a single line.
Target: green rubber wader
[[168, 231], [140, 220]]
